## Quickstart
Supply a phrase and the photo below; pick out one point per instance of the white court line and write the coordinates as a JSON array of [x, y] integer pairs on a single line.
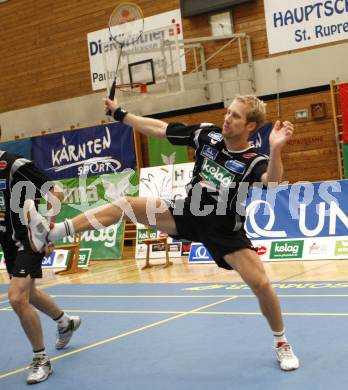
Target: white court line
[[196, 296], [71, 278]]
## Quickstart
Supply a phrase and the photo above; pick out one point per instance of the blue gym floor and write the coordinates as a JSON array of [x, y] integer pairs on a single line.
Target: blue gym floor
[[185, 337]]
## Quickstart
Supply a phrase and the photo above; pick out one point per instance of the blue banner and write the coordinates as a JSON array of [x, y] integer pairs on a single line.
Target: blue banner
[[298, 211], [20, 146], [89, 151], [260, 139]]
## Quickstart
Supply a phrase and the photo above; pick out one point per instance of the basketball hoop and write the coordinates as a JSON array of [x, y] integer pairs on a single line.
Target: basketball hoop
[[132, 88]]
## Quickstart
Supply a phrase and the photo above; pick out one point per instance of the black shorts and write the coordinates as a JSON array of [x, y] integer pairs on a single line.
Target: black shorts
[[216, 232], [21, 262]]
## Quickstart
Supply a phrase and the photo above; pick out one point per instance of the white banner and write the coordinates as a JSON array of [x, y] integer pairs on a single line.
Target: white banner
[[149, 40], [165, 182], [294, 24]]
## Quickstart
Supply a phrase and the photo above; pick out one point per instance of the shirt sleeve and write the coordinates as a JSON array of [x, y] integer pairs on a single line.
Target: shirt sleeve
[[30, 173], [180, 134], [258, 171]]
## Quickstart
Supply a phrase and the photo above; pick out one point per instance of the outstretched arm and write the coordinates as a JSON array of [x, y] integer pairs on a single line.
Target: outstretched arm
[[280, 135], [147, 126]]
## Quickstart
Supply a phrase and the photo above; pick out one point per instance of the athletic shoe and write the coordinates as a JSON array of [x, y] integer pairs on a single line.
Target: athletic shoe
[[38, 227], [40, 369], [286, 357], [64, 334]]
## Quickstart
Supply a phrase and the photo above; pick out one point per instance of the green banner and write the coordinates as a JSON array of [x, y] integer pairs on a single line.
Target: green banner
[[162, 152], [345, 160], [84, 193]]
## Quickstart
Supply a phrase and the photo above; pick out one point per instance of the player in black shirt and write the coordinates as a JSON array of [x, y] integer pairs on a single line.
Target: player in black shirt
[[225, 167], [20, 179]]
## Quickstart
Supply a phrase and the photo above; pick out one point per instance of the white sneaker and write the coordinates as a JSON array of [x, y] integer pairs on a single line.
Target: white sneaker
[[64, 334], [286, 357], [40, 369], [38, 227]]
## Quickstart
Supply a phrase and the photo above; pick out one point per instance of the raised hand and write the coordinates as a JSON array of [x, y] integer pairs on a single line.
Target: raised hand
[[280, 134], [110, 105]]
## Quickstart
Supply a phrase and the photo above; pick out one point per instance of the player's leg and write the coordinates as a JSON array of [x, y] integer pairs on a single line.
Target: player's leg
[[18, 293], [66, 325], [153, 212], [248, 264]]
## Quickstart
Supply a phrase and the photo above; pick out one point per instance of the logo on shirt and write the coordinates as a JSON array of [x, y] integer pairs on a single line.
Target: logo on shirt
[[209, 152], [235, 166], [3, 165], [216, 174], [216, 136], [3, 185], [249, 155], [2, 216], [2, 201]]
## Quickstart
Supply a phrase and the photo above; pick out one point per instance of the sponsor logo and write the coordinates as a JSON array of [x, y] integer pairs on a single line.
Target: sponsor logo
[[216, 174], [341, 247], [174, 247], [69, 155], [143, 235], [185, 249], [287, 249], [235, 166], [316, 249], [209, 152], [261, 250], [3, 165], [249, 155], [158, 247], [199, 253], [48, 261], [84, 256], [3, 184], [213, 142], [216, 136]]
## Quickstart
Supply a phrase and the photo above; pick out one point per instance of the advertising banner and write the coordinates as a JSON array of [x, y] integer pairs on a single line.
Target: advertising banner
[[57, 259], [165, 182], [305, 221], [89, 151], [295, 24], [21, 146], [345, 160], [82, 195], [260, 139], [161, 151], [156, 30], [343, 99]]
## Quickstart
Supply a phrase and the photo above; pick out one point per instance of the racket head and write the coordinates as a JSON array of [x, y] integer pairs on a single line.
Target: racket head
[[126, 23]]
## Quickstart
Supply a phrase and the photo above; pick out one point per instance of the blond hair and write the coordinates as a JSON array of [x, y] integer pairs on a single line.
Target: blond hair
[[257, 107]]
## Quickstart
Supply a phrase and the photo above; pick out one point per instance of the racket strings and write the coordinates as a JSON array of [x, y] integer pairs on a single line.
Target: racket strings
[[126, 24]]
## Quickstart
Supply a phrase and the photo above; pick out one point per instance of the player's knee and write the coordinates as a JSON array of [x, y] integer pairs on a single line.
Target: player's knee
[[261, 286], [123, 202], [17, 301]]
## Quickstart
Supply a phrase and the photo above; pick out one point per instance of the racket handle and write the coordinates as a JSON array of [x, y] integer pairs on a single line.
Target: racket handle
[[112, 95]]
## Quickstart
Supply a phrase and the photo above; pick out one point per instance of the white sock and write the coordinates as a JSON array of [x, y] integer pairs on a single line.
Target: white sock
[[63, 321], [61, 230], [279, 337], [40, 354]]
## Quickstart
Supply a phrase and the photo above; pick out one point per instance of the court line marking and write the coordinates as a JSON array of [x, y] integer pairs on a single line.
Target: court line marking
[[220, 313], [195, 296], [71, 278], [122, 335]]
